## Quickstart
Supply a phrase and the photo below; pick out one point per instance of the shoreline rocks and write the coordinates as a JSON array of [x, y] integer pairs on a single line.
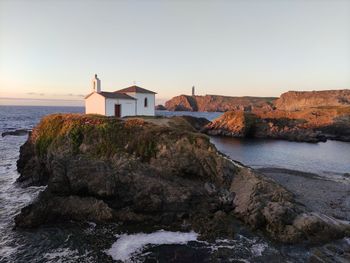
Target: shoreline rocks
[[309, 125], [155, 172]]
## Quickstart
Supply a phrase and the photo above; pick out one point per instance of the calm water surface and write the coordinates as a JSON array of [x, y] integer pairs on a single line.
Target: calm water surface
[[331, 157], [88, 242]]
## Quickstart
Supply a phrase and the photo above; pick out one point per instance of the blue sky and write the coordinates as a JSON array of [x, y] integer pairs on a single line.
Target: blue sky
[[51, 49]]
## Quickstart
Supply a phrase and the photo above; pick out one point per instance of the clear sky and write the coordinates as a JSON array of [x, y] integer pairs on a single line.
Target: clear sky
[[51, 49]]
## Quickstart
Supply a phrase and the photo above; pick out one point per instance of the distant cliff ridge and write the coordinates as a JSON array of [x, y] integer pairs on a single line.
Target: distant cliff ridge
[[296, 100], [217, 103], [289, 101]]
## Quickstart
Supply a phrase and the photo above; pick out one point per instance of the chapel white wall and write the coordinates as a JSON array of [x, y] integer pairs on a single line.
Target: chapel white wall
[[95, 104], [141, 109], [128, 107]]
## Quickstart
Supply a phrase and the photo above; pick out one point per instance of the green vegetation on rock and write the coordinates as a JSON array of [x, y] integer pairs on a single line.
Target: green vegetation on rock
[[103, 137]]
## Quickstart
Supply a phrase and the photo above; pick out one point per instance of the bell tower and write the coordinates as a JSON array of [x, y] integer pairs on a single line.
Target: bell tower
[[96, 84]]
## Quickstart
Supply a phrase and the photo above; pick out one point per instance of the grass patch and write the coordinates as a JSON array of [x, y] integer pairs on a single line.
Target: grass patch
[[104, 137]]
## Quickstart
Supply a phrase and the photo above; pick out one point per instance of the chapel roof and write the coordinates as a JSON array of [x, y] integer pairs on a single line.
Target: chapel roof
[[135, 89], [113, 95], [116, 95]]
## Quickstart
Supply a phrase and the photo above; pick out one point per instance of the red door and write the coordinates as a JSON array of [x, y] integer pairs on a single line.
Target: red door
[[117, 111]]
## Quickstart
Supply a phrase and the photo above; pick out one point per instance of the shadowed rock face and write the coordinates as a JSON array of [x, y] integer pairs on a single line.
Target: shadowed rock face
[[154, 172]]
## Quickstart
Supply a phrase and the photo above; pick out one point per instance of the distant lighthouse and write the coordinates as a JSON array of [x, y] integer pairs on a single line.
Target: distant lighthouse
[[96, 84], [193, 91]]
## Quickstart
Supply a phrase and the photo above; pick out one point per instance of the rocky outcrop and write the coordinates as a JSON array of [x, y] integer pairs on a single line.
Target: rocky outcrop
[[298, 100], [217, 103], [308, 125], [160, 107], [233, 123], [158, 172], [182, 103]]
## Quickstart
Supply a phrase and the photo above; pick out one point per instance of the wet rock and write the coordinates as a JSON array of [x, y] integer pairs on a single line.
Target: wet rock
[[51, 208], [212, 226], [20, 132]]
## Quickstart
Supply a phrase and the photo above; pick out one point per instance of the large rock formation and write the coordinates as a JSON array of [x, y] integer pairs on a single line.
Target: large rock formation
[[217, 103], [297, 100], [232, 123], [156, 172], [309, 125]]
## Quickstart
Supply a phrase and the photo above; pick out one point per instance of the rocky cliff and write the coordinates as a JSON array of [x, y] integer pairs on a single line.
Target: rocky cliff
[[297, 100], [289, 101], [309, 125], [217, 103], [155, 172]]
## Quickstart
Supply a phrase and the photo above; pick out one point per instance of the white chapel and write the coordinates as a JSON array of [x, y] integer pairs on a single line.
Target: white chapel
[[132, 101]]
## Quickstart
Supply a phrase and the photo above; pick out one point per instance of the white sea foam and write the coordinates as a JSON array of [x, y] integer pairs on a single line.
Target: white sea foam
[[255, 246], [258, 249], [128, 246], [59, 254], [66, 255]]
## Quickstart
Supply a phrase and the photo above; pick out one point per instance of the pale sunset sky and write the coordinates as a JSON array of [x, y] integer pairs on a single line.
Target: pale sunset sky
[[49, 50]]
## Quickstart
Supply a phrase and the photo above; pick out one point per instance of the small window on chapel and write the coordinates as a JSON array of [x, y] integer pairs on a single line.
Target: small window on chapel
[[146, 102]]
